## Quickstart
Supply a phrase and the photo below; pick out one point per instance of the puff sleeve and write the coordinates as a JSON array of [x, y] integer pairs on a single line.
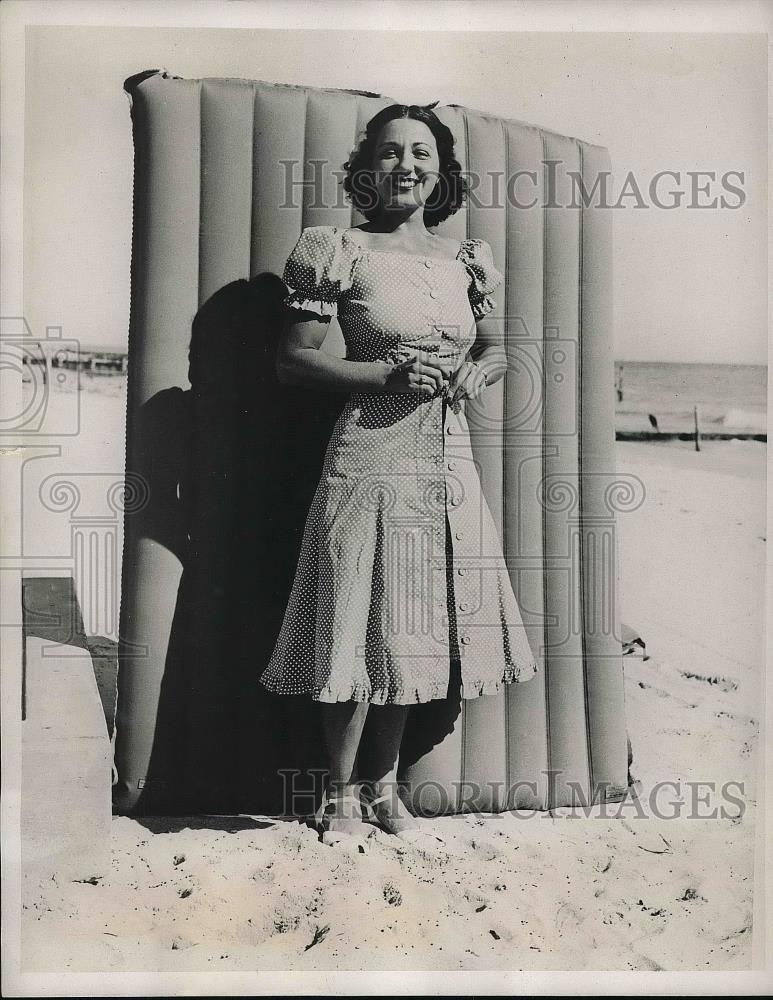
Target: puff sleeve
[[318, 271], [484, 277]]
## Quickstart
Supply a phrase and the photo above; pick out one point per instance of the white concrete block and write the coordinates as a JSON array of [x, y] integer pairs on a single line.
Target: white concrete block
[[66, 766]]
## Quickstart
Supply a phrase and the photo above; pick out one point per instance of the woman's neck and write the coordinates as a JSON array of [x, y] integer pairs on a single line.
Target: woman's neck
[[409, 226]]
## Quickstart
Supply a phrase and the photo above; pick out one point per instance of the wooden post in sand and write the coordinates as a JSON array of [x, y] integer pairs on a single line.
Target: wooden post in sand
[[47, 366], [697, 429]]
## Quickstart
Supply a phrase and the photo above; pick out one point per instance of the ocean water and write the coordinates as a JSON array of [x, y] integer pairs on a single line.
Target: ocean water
[[728, 397]]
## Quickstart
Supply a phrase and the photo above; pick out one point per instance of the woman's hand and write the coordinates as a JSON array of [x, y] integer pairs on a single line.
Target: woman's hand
[[424, 373], [468, 382]]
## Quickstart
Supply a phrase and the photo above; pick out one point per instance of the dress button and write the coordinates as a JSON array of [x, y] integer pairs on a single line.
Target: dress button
[[455, 501], [461, 571], [449, 429], [428, 263], [432, 293], [463, 606], [451, 466], [459, 535], [465, 639]]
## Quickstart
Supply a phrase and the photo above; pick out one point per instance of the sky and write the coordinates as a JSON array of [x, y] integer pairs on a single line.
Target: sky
[[690, 284]]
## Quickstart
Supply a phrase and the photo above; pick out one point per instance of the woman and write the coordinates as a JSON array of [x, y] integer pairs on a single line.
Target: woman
[[381, 604]]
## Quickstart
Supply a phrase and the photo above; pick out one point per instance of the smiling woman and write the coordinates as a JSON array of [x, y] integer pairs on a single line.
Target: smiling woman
[[389, 587], [406, 148]]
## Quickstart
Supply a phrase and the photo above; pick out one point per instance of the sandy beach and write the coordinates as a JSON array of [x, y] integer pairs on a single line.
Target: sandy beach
[[630, 890]]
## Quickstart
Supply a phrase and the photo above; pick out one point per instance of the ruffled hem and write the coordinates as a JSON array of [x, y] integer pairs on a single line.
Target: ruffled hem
[[312, 305], [483, 308], [514, 675], [413, 696]]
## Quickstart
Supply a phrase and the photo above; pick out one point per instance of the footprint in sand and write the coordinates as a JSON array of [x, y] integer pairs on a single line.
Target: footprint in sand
[[484, 850], [477, 900], [566, 917], [392, 894], [263, 875], [284, 922]]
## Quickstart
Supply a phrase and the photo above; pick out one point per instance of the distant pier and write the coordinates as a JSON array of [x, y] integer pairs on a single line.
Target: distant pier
[[690, 436], [98, 361]]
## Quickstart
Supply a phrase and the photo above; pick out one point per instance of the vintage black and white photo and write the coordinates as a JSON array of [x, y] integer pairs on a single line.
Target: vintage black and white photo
[[384, 498]]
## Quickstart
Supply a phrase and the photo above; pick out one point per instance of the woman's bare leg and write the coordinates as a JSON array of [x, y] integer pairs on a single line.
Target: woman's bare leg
[[387, 723], [342, 724]]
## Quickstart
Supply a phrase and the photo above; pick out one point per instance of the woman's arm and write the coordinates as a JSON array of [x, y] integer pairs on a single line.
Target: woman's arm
[[489, 357], [299, 360], [488, 350]]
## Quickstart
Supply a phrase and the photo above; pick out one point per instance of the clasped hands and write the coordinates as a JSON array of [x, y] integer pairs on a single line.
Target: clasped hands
[[428, 374]]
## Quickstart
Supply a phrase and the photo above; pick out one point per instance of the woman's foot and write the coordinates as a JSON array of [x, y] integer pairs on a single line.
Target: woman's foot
[[340, 815], [387, 809]]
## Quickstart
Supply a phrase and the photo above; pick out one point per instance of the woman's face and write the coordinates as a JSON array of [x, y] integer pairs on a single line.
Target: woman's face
[[406, 165]]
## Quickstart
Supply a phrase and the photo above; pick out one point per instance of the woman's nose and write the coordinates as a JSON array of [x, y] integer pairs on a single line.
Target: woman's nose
[[406, 162]]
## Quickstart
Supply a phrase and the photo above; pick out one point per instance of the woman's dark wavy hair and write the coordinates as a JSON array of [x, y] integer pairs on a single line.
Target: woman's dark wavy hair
[[448, 194]]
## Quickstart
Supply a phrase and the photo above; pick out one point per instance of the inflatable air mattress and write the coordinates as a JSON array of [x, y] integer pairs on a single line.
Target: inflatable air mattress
[[230, 458]]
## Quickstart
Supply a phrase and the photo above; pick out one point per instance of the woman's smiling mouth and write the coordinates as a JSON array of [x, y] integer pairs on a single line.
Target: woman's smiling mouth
[[404, 183]]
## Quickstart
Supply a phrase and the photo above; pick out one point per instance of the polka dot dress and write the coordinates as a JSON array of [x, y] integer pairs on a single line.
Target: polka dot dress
[[400, 567]]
